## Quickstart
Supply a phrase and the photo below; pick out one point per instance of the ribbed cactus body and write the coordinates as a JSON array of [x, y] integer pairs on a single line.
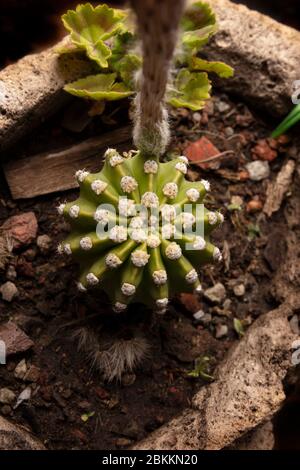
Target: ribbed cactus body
[[134, 230]]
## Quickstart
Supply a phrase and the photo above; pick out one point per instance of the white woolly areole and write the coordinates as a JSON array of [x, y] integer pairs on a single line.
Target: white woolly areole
[[91, 279], [150, 199], [139, 235], [206, 184], [126, 207], [160, 277], [114, 157], [221, 217], [61, 208], [180, 166], [137, 222], [170, 190], [119, 307], [191, 277], [60, 249], [168, 212], [192, 194], [217, 255], [74, 211], [173, 251], [98, 186], [112, 260], [162, 303], [184, 159], [118, 234], [198, 289], [212, 218], [80, 175], [67, 249], [153, 241], [128, 184], [150, 166], [81, 287], [199, 243], [167, 231], [128, 289], [187, 219], [102, 216], [86, 243], [139, 258]]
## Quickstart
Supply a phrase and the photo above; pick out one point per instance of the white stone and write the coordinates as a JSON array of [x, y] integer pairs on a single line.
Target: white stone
[[8, 291], [258, 170], [7, 396], [215, 294]]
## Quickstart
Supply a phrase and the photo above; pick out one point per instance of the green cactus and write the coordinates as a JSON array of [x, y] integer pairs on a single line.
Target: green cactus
[[126, 230]]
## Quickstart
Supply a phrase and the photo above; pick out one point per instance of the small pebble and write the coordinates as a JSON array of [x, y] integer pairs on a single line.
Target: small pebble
[[229, 131], [44, 243], [239, 290], [6, 410], [215, 294], [206, 319], [221, 331], [222, 106], [198, 315], [7, 396], [32, 374], [294, 324], [11, 273], [8, 291], [258, 170], [20, 369]]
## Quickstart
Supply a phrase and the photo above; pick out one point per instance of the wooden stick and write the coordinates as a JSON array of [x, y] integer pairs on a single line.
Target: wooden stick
[[54, 171]]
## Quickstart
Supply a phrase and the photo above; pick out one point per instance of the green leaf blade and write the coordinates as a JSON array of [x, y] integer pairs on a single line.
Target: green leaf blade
[[220, 68], [191, 90], [99, 87]]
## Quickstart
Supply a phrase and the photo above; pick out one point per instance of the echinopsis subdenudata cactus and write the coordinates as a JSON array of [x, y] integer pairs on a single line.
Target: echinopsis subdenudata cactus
[[140, 231]]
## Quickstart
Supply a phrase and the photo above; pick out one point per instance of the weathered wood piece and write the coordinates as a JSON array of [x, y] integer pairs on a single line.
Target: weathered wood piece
[[50, 172]]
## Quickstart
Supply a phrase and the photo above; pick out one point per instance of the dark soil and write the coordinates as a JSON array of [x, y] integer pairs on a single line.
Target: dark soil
[[49, 308]]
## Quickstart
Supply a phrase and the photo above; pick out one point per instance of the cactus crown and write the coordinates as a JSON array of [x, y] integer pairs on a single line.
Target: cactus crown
[[139, 230]]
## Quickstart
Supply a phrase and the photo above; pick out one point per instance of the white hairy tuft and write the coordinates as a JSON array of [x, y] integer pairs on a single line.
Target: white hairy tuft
[[119, 307], [137, 222], [180, 166], [126, 207], [81, 287], [191, 277], [102, 216], [217, 255], [112, 260], [212, 218], [170, 190], [162, 303], [187, 219], [67, 249], [221, 217], [150, 199], [168, 212], [128, 184], [91, 279], [139, 258], [206, 184], [168, 231], [60, 249], [198, 289], [128, 289], [139, 235], [153, 241], [80, 175], [150, 166], [199, 243], [98, 186], [184, 159], [192, 194], [61, 208], [86, 243], [74, 211], [118, 234], [114, 157], [173, 251], [160, 277]]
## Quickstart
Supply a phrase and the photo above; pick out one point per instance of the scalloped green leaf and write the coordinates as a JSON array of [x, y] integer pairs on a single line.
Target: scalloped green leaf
[[89, 27], [99, 87], [221, 69], [199, 24], [191, 90], [127, 66]]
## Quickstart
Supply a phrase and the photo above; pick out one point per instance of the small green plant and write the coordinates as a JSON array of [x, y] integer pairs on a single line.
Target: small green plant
[[131, 233], [107, 37], [201, 369], [288, 122]]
